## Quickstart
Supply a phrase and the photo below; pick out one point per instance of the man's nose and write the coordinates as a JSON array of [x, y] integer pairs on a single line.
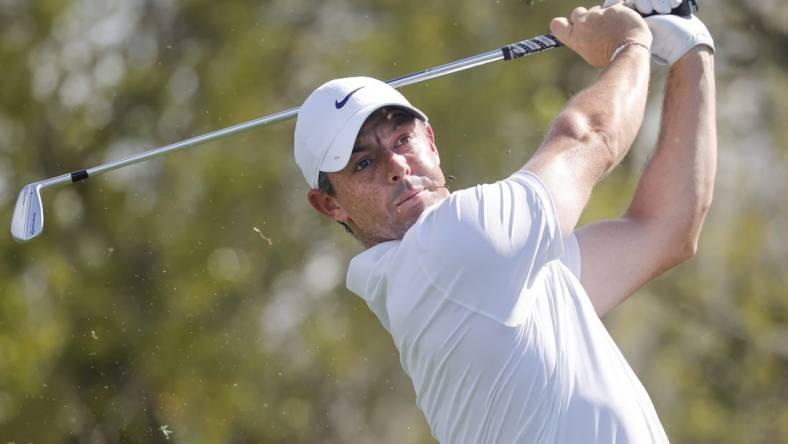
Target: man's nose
[[396, 167]]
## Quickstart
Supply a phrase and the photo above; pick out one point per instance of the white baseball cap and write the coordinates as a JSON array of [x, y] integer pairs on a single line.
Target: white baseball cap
[[330, 118]]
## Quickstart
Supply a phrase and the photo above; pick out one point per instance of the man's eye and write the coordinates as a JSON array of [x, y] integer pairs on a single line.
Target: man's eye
[[361, 165], [405, 139]]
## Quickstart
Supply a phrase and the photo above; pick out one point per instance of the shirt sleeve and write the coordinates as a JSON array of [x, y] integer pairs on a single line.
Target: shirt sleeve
[[486, 245], [571, 257]]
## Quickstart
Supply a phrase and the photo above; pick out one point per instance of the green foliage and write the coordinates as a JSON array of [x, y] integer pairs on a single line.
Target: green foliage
[[197, 298]]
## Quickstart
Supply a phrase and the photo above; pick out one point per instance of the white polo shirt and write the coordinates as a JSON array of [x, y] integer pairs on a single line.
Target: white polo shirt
[[494, 329]]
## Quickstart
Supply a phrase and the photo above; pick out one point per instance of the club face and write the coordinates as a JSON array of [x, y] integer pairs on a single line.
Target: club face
[[28, 218]]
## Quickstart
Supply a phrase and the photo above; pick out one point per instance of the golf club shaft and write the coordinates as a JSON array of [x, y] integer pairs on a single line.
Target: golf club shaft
[[27, 220], [509, 52]]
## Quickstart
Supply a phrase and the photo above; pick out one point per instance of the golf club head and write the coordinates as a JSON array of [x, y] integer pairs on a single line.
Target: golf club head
[[28, 218]]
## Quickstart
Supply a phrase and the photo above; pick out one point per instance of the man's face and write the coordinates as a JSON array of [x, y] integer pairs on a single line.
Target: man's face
[[392, 176]]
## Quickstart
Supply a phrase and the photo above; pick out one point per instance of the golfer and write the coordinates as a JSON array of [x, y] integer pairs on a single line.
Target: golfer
[[491, 295]]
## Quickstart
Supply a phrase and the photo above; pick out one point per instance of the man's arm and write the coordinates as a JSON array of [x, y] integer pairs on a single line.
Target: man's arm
[[660, 229], [596, 128]]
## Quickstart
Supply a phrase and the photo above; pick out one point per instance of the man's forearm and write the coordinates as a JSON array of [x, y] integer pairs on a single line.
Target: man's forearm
[[592, 134], [676, 188], [612, 108], [595, 129]]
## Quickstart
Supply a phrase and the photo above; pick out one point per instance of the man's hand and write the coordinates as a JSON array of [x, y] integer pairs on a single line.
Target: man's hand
[[596, 33], [673, 36]]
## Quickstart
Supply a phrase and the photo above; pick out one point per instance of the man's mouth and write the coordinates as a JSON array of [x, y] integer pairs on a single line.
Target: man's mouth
[[409, 195]]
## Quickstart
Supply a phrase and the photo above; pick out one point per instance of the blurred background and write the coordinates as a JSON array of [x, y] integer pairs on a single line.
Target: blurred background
[[199, 299]]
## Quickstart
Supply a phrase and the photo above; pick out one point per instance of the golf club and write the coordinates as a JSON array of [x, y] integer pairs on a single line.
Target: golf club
[[28, 218]]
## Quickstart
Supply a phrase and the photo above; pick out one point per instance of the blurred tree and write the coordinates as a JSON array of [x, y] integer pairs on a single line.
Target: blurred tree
[[197, 298]]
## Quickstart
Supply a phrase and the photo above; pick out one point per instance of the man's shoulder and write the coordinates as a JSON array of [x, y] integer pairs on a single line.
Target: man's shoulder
[[369, 264]]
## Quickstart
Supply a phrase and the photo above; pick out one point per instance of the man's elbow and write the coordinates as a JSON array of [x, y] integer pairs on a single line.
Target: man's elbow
[[686, 241], [677, 252], [599, 143], [686, 251]]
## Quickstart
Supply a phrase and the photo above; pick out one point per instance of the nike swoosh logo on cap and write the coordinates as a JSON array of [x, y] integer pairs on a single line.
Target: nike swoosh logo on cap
[[342, 103]]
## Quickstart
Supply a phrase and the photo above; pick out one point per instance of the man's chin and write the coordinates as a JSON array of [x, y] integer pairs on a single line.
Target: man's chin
[[410, 210], [431, 197]]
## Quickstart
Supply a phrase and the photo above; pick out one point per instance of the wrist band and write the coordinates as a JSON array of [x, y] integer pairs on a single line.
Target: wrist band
[[624, 45]]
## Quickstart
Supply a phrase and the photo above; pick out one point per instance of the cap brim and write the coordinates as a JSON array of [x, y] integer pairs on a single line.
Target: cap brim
[[341, 147]]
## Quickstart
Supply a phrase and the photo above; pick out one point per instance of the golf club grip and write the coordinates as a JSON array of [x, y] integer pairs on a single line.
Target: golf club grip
[[549, 41]]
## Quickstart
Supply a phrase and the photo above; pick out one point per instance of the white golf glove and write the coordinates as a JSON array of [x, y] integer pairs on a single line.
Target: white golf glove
[[673, 35], [647, 6]]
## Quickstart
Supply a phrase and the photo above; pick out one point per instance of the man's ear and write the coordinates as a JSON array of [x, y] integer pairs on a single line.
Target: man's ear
[[327, 205], [431, 137]]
